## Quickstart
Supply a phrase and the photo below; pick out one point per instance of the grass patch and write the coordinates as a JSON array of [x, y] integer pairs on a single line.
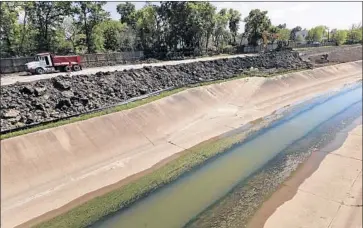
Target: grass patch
[[137, 103], [88, 213]]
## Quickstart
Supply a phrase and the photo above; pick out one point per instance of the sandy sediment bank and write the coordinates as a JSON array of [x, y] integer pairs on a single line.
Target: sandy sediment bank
[[325, 191], [45, 170]]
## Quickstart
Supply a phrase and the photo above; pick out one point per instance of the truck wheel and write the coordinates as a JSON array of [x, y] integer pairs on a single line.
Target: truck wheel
[[76, 67], [39, 70], [67, 69]]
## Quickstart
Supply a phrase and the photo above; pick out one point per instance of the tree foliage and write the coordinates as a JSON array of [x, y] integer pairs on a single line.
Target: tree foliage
[[9, 28], [257, 22], [354, 34], [89, 15], [128, 13], [284, 34], [340, 36], [45, 18], [191, 27], [234, 21], [317, 34]]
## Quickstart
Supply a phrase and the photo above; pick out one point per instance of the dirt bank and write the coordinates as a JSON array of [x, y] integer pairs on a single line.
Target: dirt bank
[[91, 154], [335, 55], [326, 191], [59, 97]]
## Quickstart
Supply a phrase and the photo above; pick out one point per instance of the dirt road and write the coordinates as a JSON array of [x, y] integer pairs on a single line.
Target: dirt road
[[21, 77], [94, 153]]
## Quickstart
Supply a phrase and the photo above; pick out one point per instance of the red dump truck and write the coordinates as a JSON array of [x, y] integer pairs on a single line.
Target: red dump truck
[[49, 63]]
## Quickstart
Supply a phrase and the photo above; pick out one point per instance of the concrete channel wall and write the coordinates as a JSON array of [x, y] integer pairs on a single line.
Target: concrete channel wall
[[44, 170]]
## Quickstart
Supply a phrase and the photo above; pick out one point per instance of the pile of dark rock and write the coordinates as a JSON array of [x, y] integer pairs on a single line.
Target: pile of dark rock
[[63, 96]]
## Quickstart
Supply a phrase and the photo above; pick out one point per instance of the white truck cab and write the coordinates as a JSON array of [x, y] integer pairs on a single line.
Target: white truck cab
[[42, 64], [47, 63]]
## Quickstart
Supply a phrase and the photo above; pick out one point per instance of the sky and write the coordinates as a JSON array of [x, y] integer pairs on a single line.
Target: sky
[[340, 15]]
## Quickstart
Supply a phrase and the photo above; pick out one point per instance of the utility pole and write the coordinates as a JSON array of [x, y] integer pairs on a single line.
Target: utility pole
[[328, 34]]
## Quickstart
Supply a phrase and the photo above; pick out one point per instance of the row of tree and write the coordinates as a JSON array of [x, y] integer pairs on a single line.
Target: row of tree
[[321, 33], [85, 27]]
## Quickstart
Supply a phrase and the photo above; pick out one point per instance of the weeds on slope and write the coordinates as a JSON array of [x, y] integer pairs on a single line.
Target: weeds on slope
[[252, 73]]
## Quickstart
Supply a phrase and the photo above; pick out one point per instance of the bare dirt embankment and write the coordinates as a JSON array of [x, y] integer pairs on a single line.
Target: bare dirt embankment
[[336, 55], [40, 171], [51, 99]]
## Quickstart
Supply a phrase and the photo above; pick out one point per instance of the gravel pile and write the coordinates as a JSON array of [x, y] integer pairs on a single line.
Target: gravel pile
[[62, 96]]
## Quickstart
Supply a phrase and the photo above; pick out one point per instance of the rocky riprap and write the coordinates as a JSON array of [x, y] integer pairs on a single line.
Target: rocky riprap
[[50, 99]]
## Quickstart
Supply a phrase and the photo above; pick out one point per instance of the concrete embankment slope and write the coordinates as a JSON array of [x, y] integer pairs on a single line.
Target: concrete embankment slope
[[329, 197], [45, 170]]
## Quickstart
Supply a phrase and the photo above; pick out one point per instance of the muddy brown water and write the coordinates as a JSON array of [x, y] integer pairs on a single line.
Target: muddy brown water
[[226, 191]]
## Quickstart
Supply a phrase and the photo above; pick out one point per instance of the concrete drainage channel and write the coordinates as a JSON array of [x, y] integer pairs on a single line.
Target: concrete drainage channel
[[239, 180], [81, 156]]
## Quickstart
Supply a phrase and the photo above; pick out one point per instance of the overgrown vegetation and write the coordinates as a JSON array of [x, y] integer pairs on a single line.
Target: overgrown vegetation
[[191, 27]]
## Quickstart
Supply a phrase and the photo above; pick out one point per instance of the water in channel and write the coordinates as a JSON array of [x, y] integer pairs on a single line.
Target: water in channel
[[192, 200]]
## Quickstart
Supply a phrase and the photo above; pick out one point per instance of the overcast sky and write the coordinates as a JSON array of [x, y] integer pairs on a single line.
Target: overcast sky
[[339, 15]]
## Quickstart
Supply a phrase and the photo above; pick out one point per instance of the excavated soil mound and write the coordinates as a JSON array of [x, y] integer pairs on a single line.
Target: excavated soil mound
[[335, 55], [62, 96]]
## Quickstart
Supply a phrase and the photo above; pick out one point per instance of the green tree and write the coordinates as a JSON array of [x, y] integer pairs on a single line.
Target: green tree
[[283, 34], [45, 18], [208, 11], [90, 14], [128, 13], [194, 32], [71, 33], [355, 33], [9, 28], [257, 22], [234, 20], [221, 34], [340, 36], [128, 39], [146, 26], [108, 35], [316, 34], [174, 15], [61, 44], [200, 24]]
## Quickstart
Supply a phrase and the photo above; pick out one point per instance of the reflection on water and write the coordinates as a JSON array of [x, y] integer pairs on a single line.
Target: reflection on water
[[176, 204]]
